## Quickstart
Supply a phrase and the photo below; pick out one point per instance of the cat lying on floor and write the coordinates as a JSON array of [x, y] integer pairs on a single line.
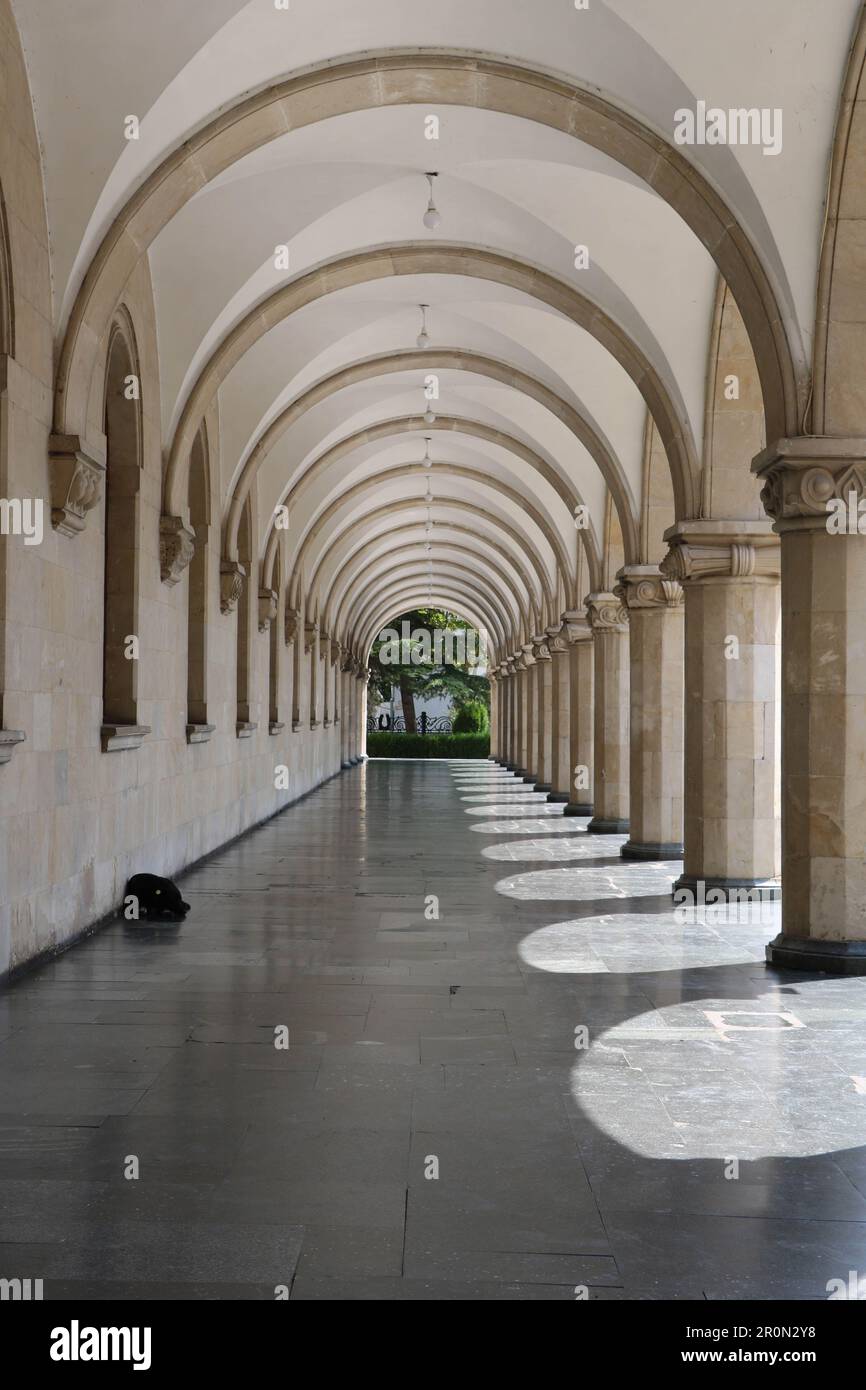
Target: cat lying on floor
[[151, 897]]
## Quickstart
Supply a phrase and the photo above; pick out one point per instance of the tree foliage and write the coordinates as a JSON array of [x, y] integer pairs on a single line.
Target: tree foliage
[[426, 678]]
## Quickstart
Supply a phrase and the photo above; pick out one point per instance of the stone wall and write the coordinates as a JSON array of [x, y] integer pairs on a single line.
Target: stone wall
[[75, 821]]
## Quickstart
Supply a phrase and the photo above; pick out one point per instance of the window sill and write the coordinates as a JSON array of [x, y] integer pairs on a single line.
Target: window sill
[[199, 733], [117, 738], [9, 739]]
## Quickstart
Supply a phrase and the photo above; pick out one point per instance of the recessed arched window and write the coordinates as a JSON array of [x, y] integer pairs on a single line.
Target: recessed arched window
[[121, 652], [245, 725], [198, 730]]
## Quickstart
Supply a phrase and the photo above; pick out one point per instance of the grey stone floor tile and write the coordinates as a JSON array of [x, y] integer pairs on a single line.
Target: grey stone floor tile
[[408, 1038]]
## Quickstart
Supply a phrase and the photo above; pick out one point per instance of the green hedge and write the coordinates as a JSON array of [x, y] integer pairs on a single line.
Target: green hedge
[[383, 744]]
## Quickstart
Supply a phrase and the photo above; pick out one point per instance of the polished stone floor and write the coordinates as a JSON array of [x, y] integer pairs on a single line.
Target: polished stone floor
[[558, 1087]]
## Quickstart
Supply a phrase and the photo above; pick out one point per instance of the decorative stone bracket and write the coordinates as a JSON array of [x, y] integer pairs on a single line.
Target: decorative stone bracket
[[336, 648], [76, 483], [268, 599], [802, 476], [310, 630], [644, 586], [176, 548], [9, 740], [290, 625], [605, 613], [232, 576]]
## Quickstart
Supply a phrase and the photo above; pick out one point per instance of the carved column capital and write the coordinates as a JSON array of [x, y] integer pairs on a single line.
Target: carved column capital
[[575, 626], [810, 482], [525, 657], [335, 650], [720, 550], [605, 613], [557, 639], [644, 586], [310, 630], [232, 576], [268, 600], [540, 648], [76, 482]]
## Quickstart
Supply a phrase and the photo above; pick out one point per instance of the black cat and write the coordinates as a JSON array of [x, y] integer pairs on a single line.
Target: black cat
[[156, 896]]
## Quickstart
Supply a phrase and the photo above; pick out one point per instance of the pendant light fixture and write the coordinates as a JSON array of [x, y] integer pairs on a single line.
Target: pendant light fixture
[[432, 216]]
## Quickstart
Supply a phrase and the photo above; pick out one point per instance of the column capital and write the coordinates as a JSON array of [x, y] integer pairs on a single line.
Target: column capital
[[808, 481], [310, 630], [525, 657], [575, 626], [605, 613], [540, 649], [557, 640], [644, 586], [720, 549]]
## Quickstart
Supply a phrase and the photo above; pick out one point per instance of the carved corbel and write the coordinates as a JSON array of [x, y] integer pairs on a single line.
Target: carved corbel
[[310, 630], [176, 548], [76, 483], [232, 576], [290, 625], [268, 600]]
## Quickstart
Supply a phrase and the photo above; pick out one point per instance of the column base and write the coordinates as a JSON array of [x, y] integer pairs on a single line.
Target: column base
[[633, 850], [529, 777], [734, 889], [542, 787], [600, 826], [558, 796], [518, 771], [577, 808], [807, 953], [346, 763]]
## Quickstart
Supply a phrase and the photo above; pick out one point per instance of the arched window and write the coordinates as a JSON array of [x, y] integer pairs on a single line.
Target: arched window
[[244, 725], [198, 730], [120, 635]]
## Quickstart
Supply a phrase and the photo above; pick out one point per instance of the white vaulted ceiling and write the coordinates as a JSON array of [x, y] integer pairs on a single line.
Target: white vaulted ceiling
[[352, 182]]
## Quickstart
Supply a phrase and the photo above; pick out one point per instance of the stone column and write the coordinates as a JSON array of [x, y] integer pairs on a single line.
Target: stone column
[[560, 721], [361, 714], [609, 622], [655, 626], [581, 718], [815, 490], [505, 687], [525, 686], [493, 681], [513, 716], [346, 726], [542, 704], [729, 571]]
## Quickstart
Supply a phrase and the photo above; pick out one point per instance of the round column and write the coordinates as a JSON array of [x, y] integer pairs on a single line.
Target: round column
[[609, 622], [655, 637]]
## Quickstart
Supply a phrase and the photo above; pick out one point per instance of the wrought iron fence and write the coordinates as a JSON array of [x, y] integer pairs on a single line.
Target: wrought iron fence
[[383, 723]]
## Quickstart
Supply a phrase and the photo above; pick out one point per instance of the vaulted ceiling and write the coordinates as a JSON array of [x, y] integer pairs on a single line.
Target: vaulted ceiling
[[516, 367]]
